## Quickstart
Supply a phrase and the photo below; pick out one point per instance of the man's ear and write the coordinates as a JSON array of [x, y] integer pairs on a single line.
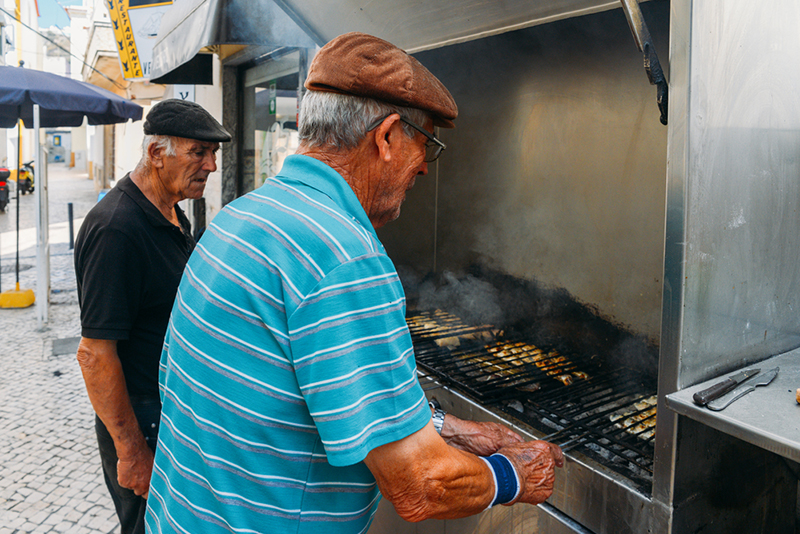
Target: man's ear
[[385, 135], [156, 154]]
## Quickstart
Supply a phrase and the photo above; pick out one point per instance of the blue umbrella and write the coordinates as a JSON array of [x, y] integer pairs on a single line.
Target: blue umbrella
[[62, 101]]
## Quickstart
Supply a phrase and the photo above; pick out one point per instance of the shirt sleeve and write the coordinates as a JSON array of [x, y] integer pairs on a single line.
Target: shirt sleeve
[[354, 360], [111, 284]]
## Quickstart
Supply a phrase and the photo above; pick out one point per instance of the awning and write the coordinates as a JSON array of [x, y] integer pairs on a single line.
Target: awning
[[190, 26], [416, 26]]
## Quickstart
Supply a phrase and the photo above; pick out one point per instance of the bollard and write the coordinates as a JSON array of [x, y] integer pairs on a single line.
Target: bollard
[[69, 216]]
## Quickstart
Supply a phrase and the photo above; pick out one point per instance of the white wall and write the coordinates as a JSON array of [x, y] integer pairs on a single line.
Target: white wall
[[94, 149], [27, 47], [79, 38], [128, 149], [210, 97], [80, 146]]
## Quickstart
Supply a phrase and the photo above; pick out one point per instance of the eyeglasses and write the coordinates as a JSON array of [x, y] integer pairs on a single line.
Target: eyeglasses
[[433, 147]]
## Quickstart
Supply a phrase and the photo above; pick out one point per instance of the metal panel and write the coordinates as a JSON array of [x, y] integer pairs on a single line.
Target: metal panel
[[191, 25], [508, 520], [414, 25], [672, 297], [593, 498], [745, 419], [742, 279], [729, 269], [725, 485], [270, 70], [555, 171]]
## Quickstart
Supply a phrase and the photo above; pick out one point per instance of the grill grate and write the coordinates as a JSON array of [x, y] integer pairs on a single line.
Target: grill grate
[[605, 414]]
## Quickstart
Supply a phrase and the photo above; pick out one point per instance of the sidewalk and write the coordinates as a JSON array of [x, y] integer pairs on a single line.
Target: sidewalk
[[59, 233], [50, 475]]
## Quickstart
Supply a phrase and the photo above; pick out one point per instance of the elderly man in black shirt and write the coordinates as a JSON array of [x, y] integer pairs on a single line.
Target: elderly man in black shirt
[[129, 257]]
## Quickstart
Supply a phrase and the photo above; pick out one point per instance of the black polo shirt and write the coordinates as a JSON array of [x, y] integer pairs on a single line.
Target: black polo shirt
[[128, 263]]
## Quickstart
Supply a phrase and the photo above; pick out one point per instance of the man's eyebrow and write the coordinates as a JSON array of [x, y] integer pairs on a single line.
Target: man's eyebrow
[[204, 146]]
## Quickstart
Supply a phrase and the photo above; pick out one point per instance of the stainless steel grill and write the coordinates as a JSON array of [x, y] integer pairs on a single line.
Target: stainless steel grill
[[575, 400]]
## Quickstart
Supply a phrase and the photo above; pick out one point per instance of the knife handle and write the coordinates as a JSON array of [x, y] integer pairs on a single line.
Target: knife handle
[[717, 390]]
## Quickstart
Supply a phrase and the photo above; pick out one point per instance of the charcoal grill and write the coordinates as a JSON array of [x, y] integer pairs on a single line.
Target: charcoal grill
[[556, 175], [604, 416]]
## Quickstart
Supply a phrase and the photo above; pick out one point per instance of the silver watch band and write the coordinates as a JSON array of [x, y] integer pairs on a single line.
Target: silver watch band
[[438, 416]]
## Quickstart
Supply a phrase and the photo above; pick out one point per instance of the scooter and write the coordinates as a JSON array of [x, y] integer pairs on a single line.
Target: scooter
[[4, 174], [25, 180]]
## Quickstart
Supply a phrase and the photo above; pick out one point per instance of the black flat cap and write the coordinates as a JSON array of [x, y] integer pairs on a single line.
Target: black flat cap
[[181, 118]]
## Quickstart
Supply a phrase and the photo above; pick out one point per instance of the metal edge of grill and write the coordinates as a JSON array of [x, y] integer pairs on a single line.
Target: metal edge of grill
[[575, 400]]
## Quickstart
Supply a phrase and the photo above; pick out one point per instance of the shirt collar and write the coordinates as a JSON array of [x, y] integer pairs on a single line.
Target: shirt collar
[[325, 179], [154, 216]]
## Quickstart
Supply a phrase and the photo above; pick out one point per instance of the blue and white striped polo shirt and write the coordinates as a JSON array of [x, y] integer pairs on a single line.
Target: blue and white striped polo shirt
[[286, 361]]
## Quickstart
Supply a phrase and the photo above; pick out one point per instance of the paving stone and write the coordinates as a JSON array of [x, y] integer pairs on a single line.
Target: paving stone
[[39, 518], [35, 498], [73, 515], [49, 467], [83, 506], [13, 523]]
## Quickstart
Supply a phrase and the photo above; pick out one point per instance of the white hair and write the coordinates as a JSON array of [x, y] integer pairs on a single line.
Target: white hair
[[341, 121], [167, 142]]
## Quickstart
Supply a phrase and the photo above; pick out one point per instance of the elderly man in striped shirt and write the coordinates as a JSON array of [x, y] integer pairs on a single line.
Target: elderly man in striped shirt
[[290, 399]]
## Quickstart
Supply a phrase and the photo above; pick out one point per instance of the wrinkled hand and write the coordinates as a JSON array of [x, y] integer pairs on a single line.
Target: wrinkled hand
[[481, 439], [535, 462], [133, 472]]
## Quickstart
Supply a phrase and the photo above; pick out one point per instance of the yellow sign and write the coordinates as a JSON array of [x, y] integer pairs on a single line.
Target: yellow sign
[[135, 4], [135, 37], [123, 34]]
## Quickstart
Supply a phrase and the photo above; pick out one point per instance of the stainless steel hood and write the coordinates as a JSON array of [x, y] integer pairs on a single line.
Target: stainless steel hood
[[415, 25], [191, 25]]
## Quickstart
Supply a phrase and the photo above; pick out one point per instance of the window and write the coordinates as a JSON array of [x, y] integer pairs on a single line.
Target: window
[[270, 118]]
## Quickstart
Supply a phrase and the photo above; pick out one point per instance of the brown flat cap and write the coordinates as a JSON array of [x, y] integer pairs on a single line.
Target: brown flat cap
[[362, 65], [181, 118]]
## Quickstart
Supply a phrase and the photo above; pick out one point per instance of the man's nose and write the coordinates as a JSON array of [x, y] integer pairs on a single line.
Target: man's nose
[[210, 163], [423, 169]]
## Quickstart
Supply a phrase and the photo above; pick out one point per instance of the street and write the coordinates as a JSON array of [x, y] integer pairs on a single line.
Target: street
[[65, 186], [49, 466]]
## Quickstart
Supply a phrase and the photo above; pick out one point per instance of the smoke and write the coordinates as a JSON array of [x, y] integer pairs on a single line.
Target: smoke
[[636, 354], [474, 301], [544, 316]]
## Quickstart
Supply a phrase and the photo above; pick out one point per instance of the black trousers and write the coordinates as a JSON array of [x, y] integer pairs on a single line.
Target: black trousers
[[130, 507]]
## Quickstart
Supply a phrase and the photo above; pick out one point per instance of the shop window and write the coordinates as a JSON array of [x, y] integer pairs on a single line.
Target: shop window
[[270, 118]]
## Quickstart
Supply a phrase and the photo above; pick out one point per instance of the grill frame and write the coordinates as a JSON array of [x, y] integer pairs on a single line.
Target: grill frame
[[576, 417], [595, 496]]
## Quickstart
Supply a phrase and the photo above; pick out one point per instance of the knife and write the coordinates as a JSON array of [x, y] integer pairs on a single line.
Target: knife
[[720, 388], [746, 387]]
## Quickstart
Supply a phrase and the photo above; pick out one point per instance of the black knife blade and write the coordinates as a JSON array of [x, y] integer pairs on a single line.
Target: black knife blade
[[720, 388]]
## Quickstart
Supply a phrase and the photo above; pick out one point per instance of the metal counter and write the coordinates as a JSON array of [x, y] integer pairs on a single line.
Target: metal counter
[[768, 417]]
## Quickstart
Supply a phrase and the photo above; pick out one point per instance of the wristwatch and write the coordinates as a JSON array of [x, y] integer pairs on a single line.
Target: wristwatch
[[438, 415]]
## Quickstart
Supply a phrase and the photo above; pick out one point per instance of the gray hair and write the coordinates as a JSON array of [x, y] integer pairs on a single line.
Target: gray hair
[[167, 142], [341, 121]]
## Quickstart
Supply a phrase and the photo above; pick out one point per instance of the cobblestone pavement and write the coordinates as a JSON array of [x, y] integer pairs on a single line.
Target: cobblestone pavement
[[50, 475], [64, 185]]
